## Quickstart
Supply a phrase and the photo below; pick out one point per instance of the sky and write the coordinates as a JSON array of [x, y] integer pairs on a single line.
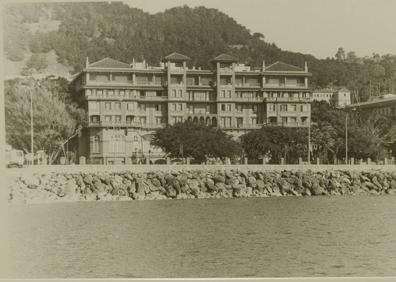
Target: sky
[[317, 27]]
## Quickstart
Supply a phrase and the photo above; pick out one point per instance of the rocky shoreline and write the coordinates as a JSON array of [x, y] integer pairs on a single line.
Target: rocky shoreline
[[191, 184]]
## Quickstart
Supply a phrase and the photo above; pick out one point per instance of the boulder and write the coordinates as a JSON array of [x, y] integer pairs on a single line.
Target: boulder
[[32, 181], [171, 191], [316, 189], [210, 184], [156, 182], [140, 187], [182, 179], [88, 179], [71, 187], [220, 187], [252, 182], [219, 178], [260, 185]]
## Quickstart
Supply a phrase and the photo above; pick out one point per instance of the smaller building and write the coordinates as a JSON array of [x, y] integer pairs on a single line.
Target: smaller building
[[338, 97], [341, 98], [324, 94], [385, 106]]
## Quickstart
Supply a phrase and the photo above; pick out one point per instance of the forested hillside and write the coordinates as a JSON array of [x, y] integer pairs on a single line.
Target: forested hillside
[[77, 30]]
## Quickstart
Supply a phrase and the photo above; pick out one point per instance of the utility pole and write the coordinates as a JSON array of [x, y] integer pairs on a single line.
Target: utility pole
[[309, 140], [31, 126], [346, 138]]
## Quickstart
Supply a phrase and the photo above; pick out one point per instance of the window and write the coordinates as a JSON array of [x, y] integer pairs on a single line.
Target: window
[[284, 120], [95, 119], [108, 118], [117, 119], [301, 108], [294, 108], [283, 108], [180, 107], [239, 108], [141, 107], [122, 92], [239, 122], [158, 107], [108, 106], [99, 92], [228, 107], [117, 106], [254, 120], [129, 106], [254, 108], [158, 120], [93, 105], [95, 144], [239, 94], [223, 107], [129, 119], [135, 138], [173, 93], [222, 95], [174, 107], [180, 93], [110, 92], [229, 94], [142, 120]]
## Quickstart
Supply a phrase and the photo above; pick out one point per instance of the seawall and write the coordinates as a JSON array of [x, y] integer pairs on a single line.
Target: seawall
[[39, 184]]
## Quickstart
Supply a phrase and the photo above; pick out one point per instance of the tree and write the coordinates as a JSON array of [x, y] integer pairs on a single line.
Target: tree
[[36, 62], [54, 122], [196, 140], [281, 142], [340, 55]]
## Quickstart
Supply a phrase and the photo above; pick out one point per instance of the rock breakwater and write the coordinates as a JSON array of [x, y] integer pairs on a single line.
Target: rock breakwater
[[189, 184]]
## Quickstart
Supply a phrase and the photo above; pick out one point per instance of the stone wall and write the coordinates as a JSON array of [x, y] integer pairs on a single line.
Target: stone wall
[[180, 183]]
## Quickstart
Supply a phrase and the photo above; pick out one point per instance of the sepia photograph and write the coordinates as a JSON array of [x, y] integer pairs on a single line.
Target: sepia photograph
[[199, 139]]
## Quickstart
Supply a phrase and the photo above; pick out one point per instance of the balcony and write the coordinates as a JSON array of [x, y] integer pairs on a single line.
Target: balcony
[[288, 124], [153, 98], [287, 99], [226, 71], [242, 126], [249, 99], [177, 70], [247, 85], [282, 85]]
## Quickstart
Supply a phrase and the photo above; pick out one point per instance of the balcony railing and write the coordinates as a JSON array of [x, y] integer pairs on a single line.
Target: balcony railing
[[249, 99], [153, 98], [242, 126], [282, 85], [125, 124]]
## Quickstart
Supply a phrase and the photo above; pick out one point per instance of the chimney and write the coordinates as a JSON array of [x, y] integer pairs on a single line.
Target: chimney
[[86, 62], [263, 65], [306, 66]]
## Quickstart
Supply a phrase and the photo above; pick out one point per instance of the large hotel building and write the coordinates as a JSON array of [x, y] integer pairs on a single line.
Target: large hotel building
[[127, 102]]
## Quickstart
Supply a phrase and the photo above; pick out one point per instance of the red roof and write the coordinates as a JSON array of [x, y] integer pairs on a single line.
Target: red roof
[[225, 58], [176, 57], [280, 66], [109, 63]]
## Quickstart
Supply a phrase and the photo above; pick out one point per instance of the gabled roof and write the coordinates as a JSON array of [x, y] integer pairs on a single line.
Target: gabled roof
[[176, 57], [281, 66], [109, 63], [225, 58]]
